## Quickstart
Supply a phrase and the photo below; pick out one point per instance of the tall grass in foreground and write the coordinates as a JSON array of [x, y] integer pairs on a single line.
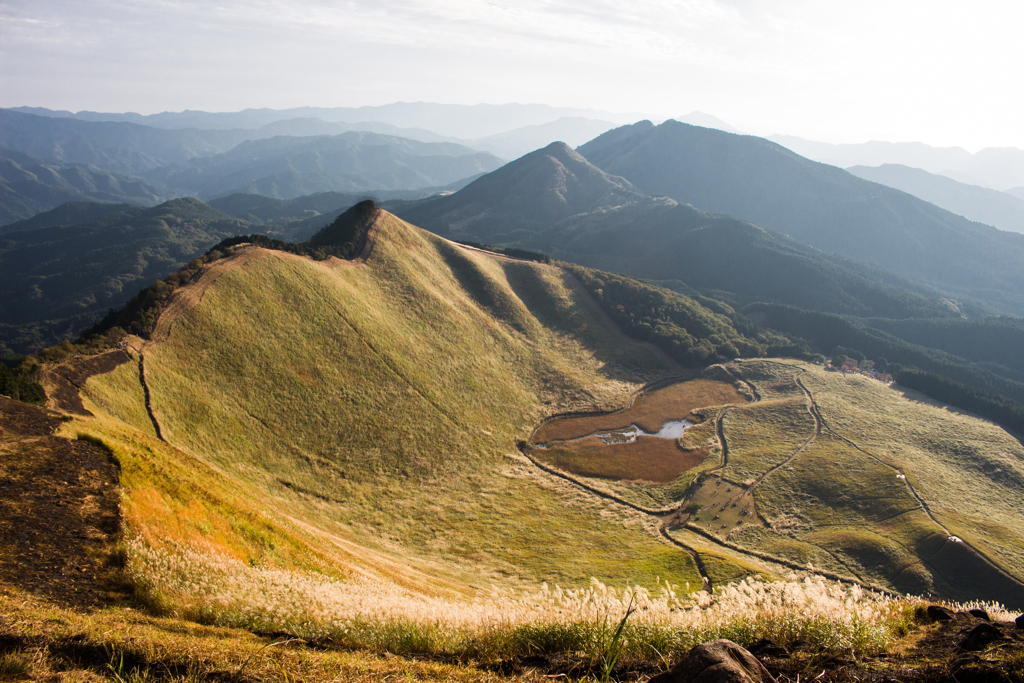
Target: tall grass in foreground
[[382, 617]]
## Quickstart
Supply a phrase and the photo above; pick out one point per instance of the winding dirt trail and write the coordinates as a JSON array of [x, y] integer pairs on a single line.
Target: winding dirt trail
[[923, 506], [668, 516], [821, 425], [813, 410]]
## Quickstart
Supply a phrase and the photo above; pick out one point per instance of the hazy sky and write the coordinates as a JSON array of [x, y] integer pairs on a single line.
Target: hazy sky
[[946, 73]]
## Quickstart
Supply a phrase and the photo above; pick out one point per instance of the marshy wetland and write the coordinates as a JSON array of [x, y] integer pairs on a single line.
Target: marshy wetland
[[646, 441]]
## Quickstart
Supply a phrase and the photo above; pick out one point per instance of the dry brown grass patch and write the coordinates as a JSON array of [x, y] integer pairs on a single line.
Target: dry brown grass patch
[[649, 458], [649, 411]]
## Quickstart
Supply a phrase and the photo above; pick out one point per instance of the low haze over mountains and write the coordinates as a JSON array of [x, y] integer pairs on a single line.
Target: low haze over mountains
[[29, 185], [288, 167], [998, 168], [992, 207]]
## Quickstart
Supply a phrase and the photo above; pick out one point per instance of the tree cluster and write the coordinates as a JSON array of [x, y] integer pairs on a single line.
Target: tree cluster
[[18, 383], [833, 333], [689, 333]]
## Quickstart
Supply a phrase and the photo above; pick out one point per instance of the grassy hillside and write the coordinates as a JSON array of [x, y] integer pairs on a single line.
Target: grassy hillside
[[555, 201], [872, 481], [327, 449], [311, 416], [820, 205], [330, 390]]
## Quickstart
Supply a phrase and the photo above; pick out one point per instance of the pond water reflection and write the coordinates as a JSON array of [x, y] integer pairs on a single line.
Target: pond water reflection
[[673, 429]]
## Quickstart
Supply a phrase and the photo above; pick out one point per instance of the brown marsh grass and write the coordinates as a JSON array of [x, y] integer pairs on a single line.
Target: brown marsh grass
[[648, 458], [649, 411]]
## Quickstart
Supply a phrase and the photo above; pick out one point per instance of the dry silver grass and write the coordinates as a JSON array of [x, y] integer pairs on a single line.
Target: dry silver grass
[[508, 623]]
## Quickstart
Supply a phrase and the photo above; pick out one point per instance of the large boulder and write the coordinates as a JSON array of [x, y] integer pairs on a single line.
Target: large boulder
[[720, 661], [980, 636], [939, 613]]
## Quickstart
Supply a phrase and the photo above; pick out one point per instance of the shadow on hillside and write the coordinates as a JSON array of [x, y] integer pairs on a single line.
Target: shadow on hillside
[[59, 512]]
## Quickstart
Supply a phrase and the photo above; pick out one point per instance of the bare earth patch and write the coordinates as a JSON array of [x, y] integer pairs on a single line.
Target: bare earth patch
[[59, 515]]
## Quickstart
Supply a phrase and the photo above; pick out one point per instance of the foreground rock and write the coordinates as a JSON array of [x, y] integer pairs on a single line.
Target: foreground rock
[[720, 661], [980, 636]]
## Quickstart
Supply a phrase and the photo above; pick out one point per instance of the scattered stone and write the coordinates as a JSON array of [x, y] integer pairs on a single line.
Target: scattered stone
[[980, 636], [939, 613], [720, 661], [980, 613]]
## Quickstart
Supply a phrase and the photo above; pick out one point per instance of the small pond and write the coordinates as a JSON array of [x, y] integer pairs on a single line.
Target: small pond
[[673, 429]]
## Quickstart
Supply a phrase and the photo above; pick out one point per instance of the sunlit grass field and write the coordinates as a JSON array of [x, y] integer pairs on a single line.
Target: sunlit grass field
[[359, 421], [340, 462], [849, 510]]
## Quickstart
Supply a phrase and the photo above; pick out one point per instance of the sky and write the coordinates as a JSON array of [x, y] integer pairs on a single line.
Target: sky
[[944, 73]]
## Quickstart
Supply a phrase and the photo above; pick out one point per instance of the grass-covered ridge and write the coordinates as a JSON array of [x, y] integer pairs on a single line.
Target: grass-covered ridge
[[372, 408], [327, 448]]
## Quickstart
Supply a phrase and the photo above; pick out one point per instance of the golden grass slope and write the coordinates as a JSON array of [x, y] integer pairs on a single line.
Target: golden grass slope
[[357, 421], [893, 489]]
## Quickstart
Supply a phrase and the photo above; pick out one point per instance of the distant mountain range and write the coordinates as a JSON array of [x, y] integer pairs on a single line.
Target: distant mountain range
[[287, 167], [150, 164], [556, 201], [507, 131], [818, 205], [464, 122], [998, 168], [992, 207], [30, 185]]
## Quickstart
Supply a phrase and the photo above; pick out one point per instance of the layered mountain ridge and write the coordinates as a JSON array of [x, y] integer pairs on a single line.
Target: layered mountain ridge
[[818, 205]]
